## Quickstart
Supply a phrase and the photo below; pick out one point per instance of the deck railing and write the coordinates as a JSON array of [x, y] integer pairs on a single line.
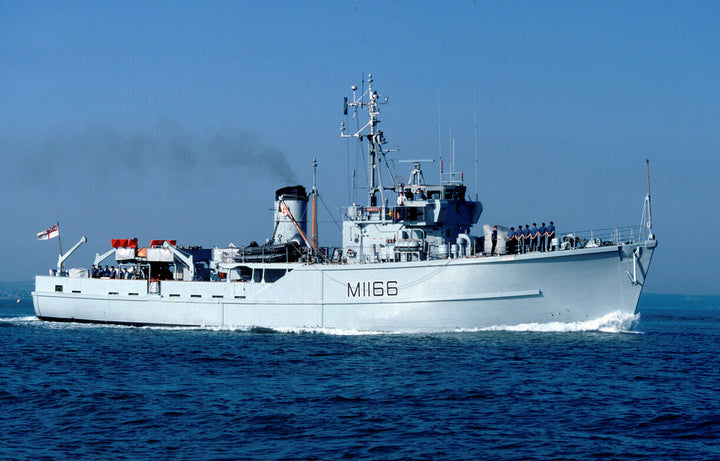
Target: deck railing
[[601, 237]]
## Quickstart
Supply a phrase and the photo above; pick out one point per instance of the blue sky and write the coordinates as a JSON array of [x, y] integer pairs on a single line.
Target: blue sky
[[180, 119]]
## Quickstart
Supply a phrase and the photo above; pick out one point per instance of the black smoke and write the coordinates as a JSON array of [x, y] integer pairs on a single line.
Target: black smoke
[[105, 152]]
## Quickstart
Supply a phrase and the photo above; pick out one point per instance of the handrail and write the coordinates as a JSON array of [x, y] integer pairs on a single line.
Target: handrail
[[601, 237]]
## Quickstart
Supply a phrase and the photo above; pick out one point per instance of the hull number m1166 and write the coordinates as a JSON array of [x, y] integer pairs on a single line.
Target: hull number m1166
[[377, 288]]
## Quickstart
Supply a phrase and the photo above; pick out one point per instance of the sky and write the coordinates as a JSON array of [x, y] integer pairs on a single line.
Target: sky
[[179, 120]]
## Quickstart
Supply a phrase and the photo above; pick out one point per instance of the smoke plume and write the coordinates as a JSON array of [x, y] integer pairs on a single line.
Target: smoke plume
[[104, 151]]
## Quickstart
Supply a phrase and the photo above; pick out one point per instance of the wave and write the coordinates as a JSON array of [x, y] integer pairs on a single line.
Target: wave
[[614, 322], [28, 319], [290, 330]]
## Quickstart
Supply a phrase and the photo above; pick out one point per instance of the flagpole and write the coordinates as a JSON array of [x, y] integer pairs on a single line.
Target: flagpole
[[62, 267]]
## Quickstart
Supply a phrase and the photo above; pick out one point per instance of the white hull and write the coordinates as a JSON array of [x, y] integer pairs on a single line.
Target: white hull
[[423, 296]]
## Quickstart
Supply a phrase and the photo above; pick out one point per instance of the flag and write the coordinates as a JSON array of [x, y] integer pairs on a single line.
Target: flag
[[49, 234]]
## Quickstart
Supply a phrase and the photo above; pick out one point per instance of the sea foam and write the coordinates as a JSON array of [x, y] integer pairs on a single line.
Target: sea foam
[[614, 322]]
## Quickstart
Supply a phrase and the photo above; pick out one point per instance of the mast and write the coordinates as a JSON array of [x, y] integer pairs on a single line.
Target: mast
[[375, 179], [314, 207], [374, 137], [62, 266], [647, 167]]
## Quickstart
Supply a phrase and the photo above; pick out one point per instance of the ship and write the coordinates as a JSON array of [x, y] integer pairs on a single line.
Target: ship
[[407, 263]]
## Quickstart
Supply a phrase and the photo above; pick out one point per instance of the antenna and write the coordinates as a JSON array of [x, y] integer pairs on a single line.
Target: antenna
[[439, 137], [476, 150], [452, 173], [452, 140]]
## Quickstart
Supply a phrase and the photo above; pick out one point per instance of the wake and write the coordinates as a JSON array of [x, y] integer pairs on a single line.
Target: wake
[[614, 322]]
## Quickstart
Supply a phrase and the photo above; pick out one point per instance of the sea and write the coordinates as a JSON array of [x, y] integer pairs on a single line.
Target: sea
[[642, 388]]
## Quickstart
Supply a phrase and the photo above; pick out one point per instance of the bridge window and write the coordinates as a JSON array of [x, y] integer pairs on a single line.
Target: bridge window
[[273, 275], [245, 273]]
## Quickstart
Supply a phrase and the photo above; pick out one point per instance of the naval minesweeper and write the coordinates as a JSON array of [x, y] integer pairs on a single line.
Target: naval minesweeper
[[408, 263]]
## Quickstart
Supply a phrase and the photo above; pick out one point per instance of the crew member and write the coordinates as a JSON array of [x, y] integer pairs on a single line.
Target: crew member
[[534, 238], [519, 238], [542, 233], [511, 241], [493, 239], [527, 239], [550, 235]]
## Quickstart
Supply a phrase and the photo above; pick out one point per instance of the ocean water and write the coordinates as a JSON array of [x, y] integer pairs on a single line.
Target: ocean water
[[642, 388]]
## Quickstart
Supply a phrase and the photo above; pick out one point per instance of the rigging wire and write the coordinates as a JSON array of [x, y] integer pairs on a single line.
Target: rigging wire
[[332, 215]]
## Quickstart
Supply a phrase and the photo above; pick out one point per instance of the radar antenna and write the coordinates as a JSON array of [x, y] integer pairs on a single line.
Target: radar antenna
[[416, 175]]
